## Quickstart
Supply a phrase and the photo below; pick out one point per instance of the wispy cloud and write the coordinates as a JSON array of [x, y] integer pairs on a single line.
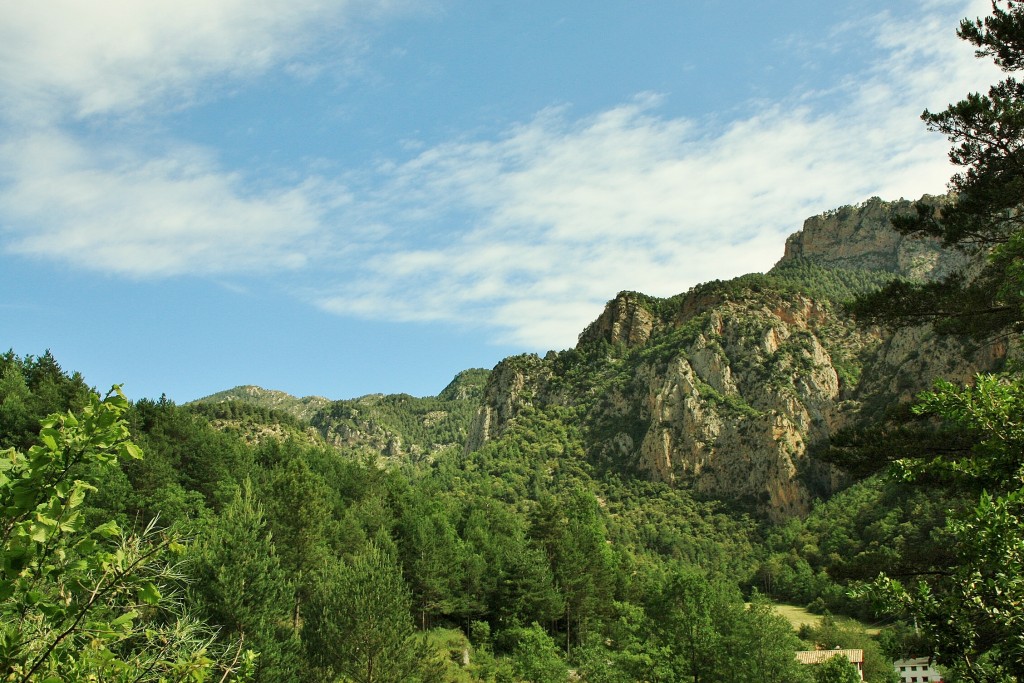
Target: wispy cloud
[[525, 235], [67, 57], [561, 213], [111, 203], [151, 217]]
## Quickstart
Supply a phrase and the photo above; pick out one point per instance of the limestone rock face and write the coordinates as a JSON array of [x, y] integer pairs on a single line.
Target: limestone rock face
[[735, 389], [625, 321], [862, 237], [736, 412], [512, 384], [730, 398]]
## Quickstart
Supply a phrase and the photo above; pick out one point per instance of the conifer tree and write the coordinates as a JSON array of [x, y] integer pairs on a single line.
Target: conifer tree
[[358, 623], [241, 584]]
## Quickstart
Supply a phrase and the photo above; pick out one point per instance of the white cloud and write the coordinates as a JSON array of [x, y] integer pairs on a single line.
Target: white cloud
[[103, 203], [88, 57], [526, 235], [562, 214], [146, 217]]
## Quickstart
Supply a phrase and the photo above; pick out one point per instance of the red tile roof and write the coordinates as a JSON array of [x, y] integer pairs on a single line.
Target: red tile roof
[[819, 656]]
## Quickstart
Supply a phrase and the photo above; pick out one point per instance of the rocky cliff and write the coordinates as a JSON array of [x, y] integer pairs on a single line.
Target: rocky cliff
[[861, 238], [735, 388]]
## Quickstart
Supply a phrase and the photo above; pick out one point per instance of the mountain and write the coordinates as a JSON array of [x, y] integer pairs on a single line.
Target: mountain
[[736, 388], [395, 426], [302, 408]]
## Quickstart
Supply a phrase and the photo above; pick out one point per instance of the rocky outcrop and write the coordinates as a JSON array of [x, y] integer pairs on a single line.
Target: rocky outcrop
[[513, 383], [738, 410], [730, 398], [735, 388], [627, 320], [861, 238]]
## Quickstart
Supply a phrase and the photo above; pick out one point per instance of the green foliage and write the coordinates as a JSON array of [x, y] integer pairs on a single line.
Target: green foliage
[[797, 276], [836, 669], [245, 412], [30, 389], [301, 519], [703, 632], [623, 651], [241, 586], [534, 655], [992, 414], [874, 525], [191, 468], [838, 285], [729, 404], [695, 617], [761, 648], [397, 423], [358, 623], [467, 385], [970, 608], [434, 559], [80, 601], [833, 633], [571, 530]]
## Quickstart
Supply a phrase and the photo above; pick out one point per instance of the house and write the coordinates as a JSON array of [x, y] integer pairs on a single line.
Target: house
[[819, 656], [917, 670]]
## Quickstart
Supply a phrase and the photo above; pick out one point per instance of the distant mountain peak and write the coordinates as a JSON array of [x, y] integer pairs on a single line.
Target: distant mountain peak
[[302, 408]]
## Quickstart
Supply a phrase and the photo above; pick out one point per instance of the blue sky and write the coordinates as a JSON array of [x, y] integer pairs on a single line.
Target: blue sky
[[340, 197]]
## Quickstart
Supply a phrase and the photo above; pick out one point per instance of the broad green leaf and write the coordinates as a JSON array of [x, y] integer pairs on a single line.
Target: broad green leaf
[[130, 450], [108, 529], [39, 533], [149, 594], [48, 441], [125, 619]]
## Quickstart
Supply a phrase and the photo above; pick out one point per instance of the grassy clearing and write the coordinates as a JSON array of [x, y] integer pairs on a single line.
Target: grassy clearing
[[797, 616]]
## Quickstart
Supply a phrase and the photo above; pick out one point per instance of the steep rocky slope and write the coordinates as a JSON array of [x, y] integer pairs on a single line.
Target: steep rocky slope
[[729, 393], [736, 387], [733, 389]]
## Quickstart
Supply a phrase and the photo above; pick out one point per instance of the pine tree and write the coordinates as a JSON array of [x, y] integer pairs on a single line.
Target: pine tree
[[243, 588], [358, 623]]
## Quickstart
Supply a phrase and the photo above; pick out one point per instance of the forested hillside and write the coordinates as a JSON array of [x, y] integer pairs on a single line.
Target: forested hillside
[[841, 433], [510, 528]]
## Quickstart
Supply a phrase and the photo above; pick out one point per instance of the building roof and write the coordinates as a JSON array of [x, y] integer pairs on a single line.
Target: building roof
[[819, 656], [914, 661]]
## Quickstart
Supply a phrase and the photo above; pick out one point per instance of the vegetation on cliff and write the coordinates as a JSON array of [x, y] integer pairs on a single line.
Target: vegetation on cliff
[[626, 508]]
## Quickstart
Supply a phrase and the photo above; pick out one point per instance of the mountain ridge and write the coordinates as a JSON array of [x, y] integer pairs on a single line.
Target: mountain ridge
[[736, 388], [733, 388]]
